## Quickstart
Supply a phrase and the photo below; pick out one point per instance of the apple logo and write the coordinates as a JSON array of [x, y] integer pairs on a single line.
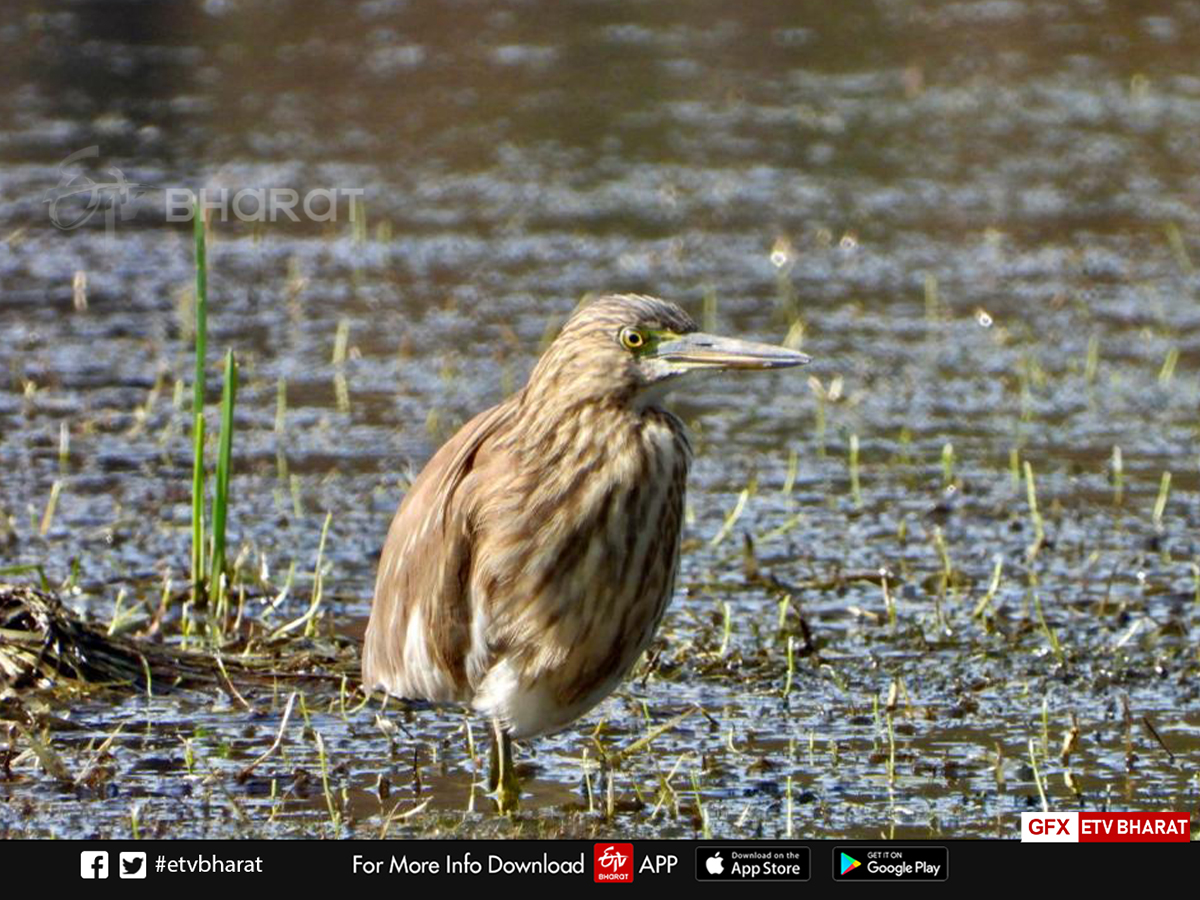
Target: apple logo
[[715, 864]]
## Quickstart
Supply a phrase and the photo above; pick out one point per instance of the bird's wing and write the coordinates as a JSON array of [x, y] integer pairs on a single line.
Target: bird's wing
[[418, 637]]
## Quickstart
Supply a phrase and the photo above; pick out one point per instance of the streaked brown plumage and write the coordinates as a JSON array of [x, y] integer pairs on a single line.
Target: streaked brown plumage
[[532, 560]]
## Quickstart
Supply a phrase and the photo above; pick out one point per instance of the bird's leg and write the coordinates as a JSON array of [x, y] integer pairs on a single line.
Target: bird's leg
[[502, 775], [493, 780]]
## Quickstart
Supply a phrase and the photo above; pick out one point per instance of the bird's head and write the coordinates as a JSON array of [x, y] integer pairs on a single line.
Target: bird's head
[[635, 348]]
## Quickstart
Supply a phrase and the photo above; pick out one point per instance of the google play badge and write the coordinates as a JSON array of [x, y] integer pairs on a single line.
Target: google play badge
[[849, 863]]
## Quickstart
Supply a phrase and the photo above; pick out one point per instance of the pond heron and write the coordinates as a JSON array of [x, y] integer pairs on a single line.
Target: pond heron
[[530, 563]]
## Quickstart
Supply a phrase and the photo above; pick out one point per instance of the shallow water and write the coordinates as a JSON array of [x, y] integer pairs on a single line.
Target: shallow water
[[979, 218]]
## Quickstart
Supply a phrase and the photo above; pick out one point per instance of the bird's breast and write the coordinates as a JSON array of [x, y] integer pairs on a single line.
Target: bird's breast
[[579, 572]]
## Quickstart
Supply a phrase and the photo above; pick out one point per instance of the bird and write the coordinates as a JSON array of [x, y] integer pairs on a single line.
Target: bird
[[531, 561]]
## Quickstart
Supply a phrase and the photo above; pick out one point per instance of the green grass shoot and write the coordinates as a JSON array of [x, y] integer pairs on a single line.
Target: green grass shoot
[[208, 569], [221, 493], [198, 385]]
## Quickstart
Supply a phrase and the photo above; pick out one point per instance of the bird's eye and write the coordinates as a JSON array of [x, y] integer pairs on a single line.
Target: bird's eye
[[632, 339]]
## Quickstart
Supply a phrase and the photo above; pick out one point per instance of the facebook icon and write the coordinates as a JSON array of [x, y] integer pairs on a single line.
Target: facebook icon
[[93, 864]]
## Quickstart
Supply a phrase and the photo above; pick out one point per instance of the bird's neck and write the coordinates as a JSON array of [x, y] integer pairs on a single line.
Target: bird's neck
[[587, 427]]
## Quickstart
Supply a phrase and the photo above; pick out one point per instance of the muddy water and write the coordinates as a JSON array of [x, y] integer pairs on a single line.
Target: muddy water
[[980, 218]]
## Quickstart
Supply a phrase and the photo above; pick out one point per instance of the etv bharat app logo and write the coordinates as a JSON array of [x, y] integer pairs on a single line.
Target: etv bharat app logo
[[613, 863]]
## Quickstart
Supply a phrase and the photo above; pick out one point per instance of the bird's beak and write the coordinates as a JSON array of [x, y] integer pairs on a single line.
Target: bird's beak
[[709, 351]]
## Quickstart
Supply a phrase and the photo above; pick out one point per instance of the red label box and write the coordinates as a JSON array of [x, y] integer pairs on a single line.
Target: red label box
[[1135, 826], [1109, 827]]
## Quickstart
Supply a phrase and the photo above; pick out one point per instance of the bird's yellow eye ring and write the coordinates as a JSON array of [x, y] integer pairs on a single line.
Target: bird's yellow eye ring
[[632, 339]]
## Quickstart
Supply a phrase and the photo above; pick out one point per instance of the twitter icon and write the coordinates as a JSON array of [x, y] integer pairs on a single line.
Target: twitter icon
[[133, 864]]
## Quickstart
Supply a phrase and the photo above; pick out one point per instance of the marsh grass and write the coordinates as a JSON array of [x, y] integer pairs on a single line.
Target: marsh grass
[[200, 338], [210, 578], [43, 641], [1160, 504], [220, 509], [797, 670]]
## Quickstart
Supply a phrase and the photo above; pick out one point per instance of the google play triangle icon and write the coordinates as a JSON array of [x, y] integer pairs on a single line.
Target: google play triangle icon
[[849, 863]]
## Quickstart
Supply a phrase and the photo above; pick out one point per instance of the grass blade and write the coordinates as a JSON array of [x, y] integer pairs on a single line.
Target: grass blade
[[198, 386], [224, 450]]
